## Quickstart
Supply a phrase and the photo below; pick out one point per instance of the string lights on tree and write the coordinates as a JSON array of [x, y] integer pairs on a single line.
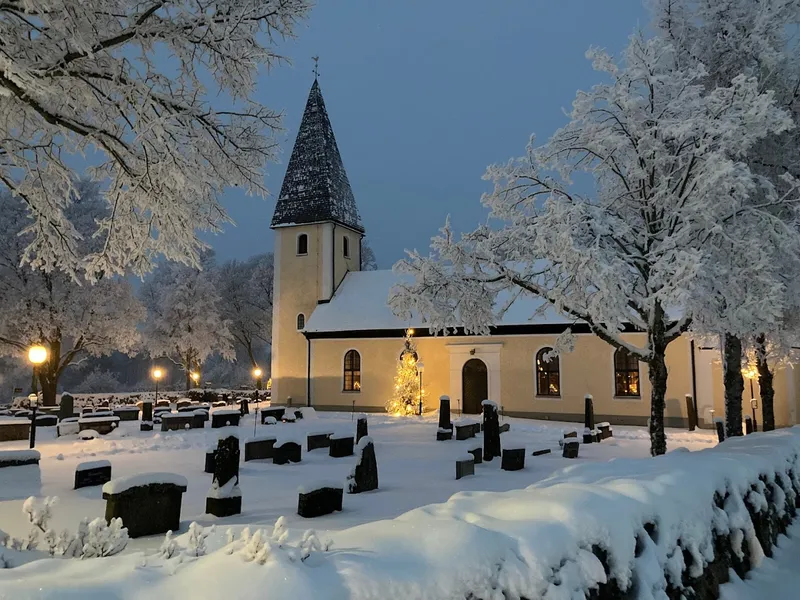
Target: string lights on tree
[[408, 394]]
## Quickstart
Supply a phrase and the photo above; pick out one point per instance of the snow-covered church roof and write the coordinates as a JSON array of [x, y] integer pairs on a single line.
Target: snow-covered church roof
[[315, 187], [360, 304]]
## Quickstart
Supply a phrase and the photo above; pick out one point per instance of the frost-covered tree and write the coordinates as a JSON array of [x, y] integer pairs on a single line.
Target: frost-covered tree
[[757, 39], [663, 154], [71, 320], [130, 83], [185, 321], [99, 381], [368, 260], [246, 292]]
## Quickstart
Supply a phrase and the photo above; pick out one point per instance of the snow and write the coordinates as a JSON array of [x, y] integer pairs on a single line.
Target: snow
[[318, 484], [491, 403], [225, 411], [119, 485], [229, 490], [7, 455], [99, 419], [342, 436], [92, 464], [260, 438], [14, 421]]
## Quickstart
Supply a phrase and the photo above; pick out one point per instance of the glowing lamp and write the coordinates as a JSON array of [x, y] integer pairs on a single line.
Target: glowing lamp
[[37, 355]]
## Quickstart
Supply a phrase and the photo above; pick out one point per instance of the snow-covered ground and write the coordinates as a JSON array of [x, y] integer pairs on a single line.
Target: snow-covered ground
[[414, 470]]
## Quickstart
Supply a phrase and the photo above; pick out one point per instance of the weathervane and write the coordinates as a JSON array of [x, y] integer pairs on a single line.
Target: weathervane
[[316, 66]]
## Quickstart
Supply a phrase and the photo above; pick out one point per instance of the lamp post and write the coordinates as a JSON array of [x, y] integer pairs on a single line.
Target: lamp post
[[37, 355], [257, 376], [157, 375], [195, 377], [420, 370]]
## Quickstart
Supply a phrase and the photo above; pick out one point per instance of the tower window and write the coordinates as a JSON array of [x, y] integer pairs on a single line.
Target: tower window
[[352, 371], [302, 244], [548, 379], [626, 374], [301, 321], [346, 246]]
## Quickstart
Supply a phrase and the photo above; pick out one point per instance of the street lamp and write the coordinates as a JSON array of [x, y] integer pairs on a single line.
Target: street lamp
[[257, 376], [157, 375], [195, 377], [37, 355], [420, 370]]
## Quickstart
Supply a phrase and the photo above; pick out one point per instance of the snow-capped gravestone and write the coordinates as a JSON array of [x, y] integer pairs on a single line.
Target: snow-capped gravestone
[[286, 452], [66, 407], [92, 473], [491, 430], [364, 475], [513, 459], [147, 416], [444, 413], [321, 500], [147, 503], [588, 412], [244, 406], [570, 448], [341, 446], [362, 429], [719, 424], [225, 498], [465, 466], [225, 417]]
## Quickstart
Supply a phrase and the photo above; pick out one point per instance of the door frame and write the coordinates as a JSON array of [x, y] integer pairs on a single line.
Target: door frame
[[460, 353], [485, 372]]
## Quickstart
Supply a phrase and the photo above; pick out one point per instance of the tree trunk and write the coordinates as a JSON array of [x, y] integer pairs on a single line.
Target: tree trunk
[[657, 373], [765, 384], [49, 387], [734, 384]]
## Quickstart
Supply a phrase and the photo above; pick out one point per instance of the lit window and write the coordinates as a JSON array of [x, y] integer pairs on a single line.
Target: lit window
[[301, 321], [548, 380], [352, 371], [626, 374], [302, 244]]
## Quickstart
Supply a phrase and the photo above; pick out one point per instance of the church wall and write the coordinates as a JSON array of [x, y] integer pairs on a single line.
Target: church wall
[[342, 265]]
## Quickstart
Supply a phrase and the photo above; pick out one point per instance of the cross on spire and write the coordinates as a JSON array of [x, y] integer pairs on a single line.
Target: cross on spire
[[316, 66]]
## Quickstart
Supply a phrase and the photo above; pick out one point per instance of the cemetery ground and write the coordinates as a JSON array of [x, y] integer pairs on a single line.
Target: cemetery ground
[[414, 470]]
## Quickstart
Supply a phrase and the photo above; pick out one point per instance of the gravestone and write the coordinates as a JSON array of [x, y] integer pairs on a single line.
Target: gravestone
[[505, 427], [720, 426], [588, 412], [275, 412], [183, 403], [68, 426], [199, 418], [320, 501], [92, 473], [361, 428], [570, 449], [66, 407], [491, 431], [318, 440], [464, 430], [364, 475], [465, 467], [588, 436], [18, 458], [477, 455], [691, 412], [147, 416], [289, 417], [605, 430], [210, 461], [444, 434], [541, 452], [244, 406], [341, 446], [227, 417], [148, 503], [102, 425], [176, 421], [46, 420], [287, 452], [225, 498], [126, 413], [748, 424], [259, 448], [513, 459], [444, 413]]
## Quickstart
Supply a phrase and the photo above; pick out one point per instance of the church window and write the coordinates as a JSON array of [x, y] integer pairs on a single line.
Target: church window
[[301, 321], [626, 374], [302, 244], [346, 246], [548, 378], [352, 371]]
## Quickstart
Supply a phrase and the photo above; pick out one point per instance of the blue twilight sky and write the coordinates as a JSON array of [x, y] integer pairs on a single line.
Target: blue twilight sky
[[423, 95]]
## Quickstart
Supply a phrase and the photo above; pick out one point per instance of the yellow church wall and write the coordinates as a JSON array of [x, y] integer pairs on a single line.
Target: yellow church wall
[[342, 265]]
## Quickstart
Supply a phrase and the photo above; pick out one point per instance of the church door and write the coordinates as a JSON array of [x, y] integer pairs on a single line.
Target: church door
[[474, 385]]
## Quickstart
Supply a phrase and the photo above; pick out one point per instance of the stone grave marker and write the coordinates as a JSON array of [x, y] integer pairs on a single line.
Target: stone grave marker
[[66, 407], [225, 498], [570, 449], [259, 448], [477, 455], [491, 431], [318, 440], [97, 472], [361, 428], [341, 445], [319, 501], [465, 467], [364, 475], [286, 452], [513, 459], [147, 503]]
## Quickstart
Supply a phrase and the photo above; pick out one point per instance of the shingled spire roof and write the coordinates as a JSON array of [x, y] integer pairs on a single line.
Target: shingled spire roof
[[315, 187]]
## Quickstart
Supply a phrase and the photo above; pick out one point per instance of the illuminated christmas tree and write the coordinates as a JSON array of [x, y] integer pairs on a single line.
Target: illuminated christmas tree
[[406, 397]]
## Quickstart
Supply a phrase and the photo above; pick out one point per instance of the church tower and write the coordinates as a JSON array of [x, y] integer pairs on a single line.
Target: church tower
[[318, 234]]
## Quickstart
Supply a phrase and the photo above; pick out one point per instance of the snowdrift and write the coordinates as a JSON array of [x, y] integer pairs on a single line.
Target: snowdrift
[[645, 528]]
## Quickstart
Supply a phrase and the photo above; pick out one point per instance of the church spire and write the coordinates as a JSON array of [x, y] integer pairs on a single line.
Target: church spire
[[315, 188]]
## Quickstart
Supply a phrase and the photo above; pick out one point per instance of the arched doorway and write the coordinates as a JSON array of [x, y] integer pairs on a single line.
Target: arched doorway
[[474, 385]]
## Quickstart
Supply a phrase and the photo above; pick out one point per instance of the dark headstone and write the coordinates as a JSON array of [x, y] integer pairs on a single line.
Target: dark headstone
[[67, 406], [147, 509], [361, 428], [147, 413], [588, 436], [364, 476], [102, 425], [491, 431], [184, 403], [691, 412], [571, 434], [570, 449], [199, 420], [210, 461], [444, 413], [720, 426], [244, 406], [513, 459], [505, 427], [287, 452], [90, 474], [224, 507], [276, 413], [477, 454], [322, 501], [588, 412], [464, 432], [464, 468], [14, 458], [226, 469], [46, 420], [341, 446], [541, 452], [298, 414], [318, 440], [443, 435], [748, 424], [176, 421], [605, 430], [130, 413], [225, 418], [259, 449]]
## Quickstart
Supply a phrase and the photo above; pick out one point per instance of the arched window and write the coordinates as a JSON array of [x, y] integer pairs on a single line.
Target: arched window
[[302, 244], [346, 246], [548, 379], [352, 371], [301, 321], [626, 373]]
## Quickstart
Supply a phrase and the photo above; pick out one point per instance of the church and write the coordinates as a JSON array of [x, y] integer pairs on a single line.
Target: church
[[336, 343]]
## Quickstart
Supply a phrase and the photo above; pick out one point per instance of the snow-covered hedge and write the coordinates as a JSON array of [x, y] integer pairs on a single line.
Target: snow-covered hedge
[[656, 525]]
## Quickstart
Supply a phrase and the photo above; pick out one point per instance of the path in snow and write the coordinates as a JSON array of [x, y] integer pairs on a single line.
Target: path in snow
[[414, 469]]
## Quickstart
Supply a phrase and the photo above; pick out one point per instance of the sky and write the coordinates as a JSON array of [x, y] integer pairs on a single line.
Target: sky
[[423, 95]]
